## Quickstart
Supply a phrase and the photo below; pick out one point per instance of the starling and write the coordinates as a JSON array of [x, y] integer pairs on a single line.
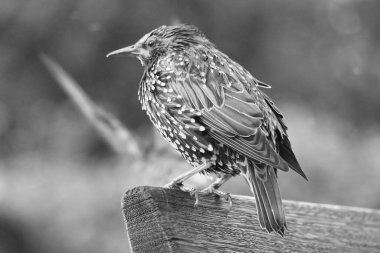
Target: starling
[[214, 113]]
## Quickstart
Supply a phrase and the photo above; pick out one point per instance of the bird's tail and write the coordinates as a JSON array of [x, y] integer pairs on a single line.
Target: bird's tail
[[262, 180]]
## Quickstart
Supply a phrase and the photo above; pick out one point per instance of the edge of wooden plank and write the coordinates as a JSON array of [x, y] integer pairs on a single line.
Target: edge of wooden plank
[[161, 208], [140, 199], [147, 188]]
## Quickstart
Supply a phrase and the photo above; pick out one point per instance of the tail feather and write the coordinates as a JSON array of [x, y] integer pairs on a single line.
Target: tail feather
[[263, 217], [268, 198]]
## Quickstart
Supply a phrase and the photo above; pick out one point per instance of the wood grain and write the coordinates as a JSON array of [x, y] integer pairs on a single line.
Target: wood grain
[[163, 220]]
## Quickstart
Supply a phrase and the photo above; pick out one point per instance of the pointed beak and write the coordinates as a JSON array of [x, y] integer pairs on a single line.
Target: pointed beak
[[129, 51]]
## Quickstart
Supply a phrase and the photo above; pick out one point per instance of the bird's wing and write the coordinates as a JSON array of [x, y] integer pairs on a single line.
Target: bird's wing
[[284, 147], [225, 106]]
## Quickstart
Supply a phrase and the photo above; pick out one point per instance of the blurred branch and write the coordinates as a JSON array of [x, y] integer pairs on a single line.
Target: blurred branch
[[107, 125]]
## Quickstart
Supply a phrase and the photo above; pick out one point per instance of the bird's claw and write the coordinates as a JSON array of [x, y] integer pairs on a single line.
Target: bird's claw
[[228, 198], [179, 186], [221, 194], [195, 194], [175, 185]]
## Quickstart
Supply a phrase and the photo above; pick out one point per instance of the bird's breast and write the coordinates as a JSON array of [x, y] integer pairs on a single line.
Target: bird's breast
[[175, 121]]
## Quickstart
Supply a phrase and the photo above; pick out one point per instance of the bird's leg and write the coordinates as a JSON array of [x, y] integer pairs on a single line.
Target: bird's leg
[[213, 188], [218, 183], [177, 183]]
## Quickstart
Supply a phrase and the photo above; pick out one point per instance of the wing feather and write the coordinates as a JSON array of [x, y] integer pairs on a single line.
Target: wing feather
[[256, 148], [226, 109], [192, 96]]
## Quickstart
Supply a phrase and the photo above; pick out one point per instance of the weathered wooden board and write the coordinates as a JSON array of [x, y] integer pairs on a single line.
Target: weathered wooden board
[[163, 220]]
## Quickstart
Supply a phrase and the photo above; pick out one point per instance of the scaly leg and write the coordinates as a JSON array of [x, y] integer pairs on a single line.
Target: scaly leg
[[177, 182], [213, 188]]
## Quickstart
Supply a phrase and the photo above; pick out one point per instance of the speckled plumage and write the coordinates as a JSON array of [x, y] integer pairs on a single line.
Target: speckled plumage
[[212, 111]]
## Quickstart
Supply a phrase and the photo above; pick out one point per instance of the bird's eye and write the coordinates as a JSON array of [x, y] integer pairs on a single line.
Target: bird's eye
[[151, 43]]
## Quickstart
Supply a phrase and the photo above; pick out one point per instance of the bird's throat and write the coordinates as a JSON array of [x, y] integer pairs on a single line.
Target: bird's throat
[[142, 61]]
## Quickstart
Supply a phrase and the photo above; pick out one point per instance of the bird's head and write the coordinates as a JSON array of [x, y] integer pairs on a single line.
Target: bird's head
[[162, 40]]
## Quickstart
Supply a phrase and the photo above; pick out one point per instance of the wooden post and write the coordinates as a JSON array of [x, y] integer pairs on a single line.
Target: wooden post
[[163, 220]]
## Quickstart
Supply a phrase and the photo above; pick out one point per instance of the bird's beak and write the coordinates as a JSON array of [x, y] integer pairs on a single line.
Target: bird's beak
[[129, 51]]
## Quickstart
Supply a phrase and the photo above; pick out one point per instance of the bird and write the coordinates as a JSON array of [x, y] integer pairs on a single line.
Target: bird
[[215, 114]]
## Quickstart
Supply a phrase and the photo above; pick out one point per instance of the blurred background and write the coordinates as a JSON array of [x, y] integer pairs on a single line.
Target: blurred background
[[61, 184]]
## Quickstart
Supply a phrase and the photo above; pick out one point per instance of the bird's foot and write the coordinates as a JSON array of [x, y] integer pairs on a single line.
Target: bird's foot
[[179, 186], [194, 193], [224, 195], [176, 186]]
